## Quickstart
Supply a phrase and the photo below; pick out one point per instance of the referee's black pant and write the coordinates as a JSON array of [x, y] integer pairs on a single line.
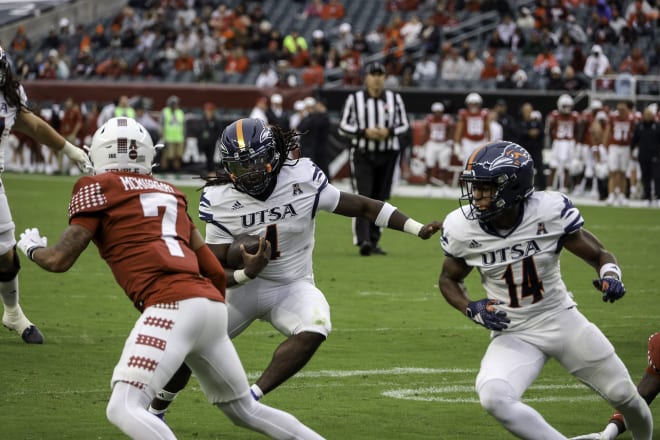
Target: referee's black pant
[[371, 176], [650, 167]]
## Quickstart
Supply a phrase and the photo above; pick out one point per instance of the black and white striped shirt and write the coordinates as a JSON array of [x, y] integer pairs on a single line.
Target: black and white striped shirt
[[361, 111]]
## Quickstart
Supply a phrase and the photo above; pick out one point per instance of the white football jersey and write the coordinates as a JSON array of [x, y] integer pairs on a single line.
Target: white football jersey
[[7, 119], [521, 268], [286, 218]]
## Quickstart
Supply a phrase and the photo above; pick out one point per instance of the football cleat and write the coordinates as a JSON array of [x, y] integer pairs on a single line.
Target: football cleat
[[32, 335], [365, 249], [377, 250], [28, 331]]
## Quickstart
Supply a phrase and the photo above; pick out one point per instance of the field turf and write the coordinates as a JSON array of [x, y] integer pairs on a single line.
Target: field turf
[[399, 364]]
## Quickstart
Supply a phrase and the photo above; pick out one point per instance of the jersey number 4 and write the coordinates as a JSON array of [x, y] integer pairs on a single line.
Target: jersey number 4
[[530, 285]]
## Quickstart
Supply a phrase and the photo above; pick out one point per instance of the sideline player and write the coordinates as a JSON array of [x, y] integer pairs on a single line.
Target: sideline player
[[142, 230], [618, 133], [562, 127], [439, 147], [278, 198], [648, 388], [472, 126], [15, 115], [514, 237]]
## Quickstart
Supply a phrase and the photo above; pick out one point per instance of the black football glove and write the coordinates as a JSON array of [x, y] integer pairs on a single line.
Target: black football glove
[[611, 288], [483, 312]]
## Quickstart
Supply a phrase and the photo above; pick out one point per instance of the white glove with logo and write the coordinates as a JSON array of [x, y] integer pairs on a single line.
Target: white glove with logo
[[79, 156], [30, 241]]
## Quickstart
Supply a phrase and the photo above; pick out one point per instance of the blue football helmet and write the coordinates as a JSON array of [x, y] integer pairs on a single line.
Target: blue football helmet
[[249, 155], [507, 167]]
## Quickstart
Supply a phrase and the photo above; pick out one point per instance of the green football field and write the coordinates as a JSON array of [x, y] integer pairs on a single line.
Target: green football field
[[399, 364]]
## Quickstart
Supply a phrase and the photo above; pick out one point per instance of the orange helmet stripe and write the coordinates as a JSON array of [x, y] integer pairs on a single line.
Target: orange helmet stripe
[[470, 161], [239, 134]]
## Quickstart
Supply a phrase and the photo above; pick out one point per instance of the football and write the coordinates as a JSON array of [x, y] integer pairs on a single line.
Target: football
[[234, 258]]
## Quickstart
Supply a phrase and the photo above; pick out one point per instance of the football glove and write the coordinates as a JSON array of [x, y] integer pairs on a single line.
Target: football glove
[[30, 241], [79, 156], [611, 288], [483, 312]]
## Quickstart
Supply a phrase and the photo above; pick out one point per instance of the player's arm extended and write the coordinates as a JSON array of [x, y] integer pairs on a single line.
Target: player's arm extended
[[38, 129], [383, 214], [61, 256], [454, 271]]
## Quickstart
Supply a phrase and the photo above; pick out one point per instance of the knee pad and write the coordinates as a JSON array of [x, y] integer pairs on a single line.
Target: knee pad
[[7, 239], [13, 270], [495, 396], [125, 400], [620, 392], [240, 411]]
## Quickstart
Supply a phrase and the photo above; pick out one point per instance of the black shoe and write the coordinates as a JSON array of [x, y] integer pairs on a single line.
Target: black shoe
[[32, 335], [365, 249], [378, 251]]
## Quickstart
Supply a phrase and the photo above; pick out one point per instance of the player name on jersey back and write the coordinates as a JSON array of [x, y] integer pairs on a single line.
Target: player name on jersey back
[[132, 183]]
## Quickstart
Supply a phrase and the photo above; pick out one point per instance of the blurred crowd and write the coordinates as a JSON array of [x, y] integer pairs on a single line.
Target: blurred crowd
[[551, 44]]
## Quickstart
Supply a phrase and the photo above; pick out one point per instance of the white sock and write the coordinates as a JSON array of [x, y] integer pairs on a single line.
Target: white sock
[[13, 316], [610, 432], [256, 392]]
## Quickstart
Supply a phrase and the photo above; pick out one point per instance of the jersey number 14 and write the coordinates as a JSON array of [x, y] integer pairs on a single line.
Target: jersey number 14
[[530, 285]]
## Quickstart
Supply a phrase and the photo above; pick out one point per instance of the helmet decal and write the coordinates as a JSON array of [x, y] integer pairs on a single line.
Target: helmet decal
[[513, 155]]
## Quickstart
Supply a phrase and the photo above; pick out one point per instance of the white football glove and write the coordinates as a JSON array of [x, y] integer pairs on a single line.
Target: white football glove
[[30, 241], [79, 156]]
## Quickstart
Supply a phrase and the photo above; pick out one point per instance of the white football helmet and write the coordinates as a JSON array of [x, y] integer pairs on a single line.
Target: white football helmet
[[565, 103], [437, 107], [473, 98], [122, 144], [596, 104]]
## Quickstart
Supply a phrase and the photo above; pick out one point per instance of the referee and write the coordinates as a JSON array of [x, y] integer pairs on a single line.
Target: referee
[[373, 118]]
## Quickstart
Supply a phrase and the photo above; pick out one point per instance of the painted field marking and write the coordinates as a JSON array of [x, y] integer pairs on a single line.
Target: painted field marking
[[439, 394]]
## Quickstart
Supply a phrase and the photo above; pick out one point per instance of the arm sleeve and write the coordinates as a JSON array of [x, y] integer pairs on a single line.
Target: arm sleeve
[[210, 267], [329, 198]]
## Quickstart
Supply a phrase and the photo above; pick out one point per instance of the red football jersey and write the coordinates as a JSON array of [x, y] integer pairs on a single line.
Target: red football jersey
[[142, 230], [474, 124], [621, 128], [438, 127], [563, 125], [587, 118]]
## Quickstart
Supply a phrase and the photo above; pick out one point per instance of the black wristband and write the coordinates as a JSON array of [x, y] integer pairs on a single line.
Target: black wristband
[[30, 252]]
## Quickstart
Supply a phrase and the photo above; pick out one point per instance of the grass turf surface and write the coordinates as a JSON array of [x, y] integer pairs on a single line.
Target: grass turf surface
[[399, 364]]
